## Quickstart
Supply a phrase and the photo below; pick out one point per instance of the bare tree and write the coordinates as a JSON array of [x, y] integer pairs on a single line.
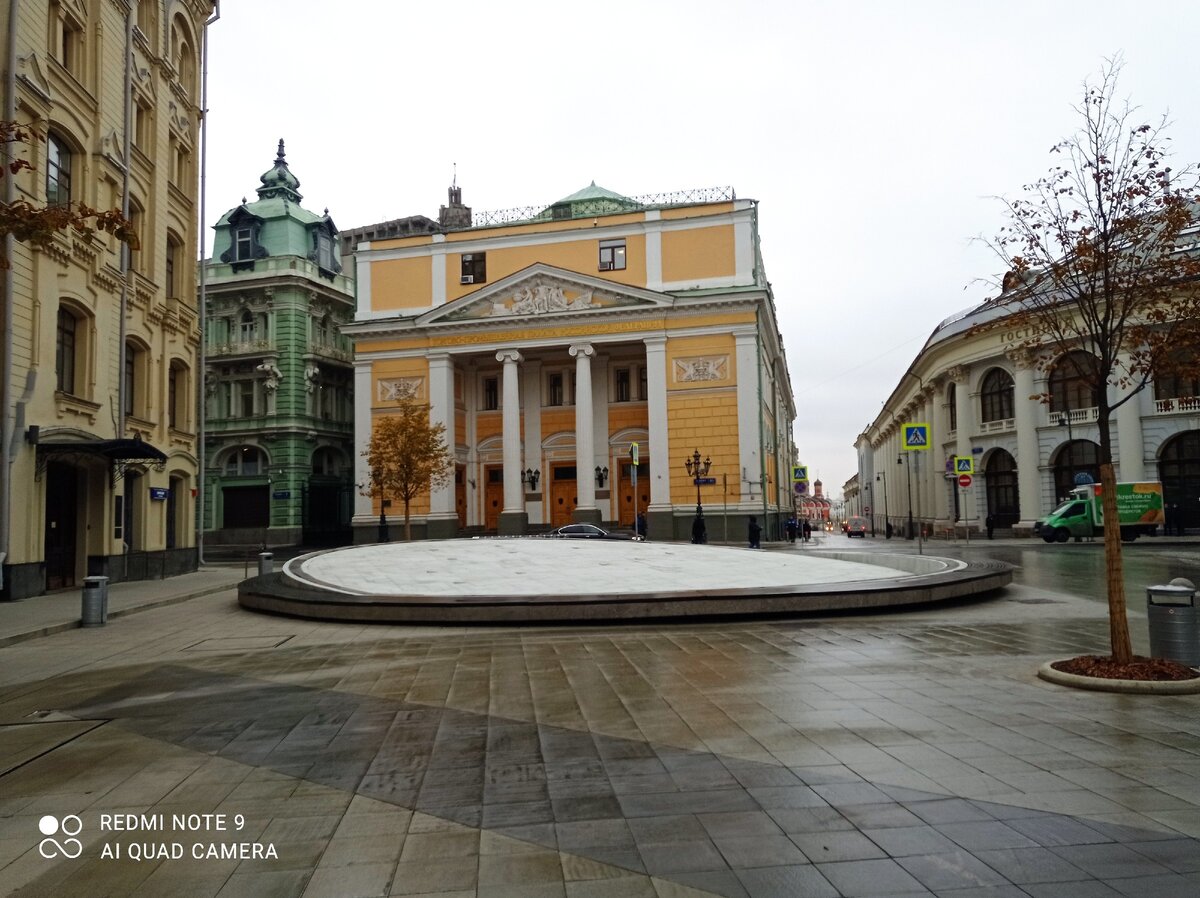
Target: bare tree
[[407, 457], [1101, 278]]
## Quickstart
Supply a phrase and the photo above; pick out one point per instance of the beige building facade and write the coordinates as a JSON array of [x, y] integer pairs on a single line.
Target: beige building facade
[[549, 341], [100, 351]]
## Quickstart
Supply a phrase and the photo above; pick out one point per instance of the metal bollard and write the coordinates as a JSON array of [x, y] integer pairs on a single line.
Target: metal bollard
[[265, 563], [94, 610]]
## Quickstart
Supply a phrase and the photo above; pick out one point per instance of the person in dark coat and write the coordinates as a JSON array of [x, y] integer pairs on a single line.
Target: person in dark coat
[[791, 530], [990, 523], [755, 533], [806, 530], [699, 531]]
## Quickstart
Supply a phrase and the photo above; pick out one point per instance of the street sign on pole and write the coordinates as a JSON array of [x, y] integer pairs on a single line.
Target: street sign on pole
[[633, 453], [964, 464], [799, 473], [964, 480]]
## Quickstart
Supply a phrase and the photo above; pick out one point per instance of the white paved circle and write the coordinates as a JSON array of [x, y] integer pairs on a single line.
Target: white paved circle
[[534, 567]]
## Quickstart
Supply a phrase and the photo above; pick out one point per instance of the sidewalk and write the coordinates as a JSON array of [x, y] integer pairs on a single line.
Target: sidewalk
[[60, 610]]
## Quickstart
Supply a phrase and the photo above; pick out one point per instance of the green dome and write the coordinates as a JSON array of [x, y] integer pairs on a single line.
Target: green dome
[[280, 181]]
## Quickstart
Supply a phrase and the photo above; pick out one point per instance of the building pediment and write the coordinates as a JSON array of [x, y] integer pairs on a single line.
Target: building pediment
[[544, 290]]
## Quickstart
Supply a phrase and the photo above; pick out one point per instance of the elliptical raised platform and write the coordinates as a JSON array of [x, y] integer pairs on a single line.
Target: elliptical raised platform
[[532, 580]]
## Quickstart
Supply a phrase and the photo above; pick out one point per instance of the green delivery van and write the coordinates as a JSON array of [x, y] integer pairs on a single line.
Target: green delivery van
[[1139, 511]]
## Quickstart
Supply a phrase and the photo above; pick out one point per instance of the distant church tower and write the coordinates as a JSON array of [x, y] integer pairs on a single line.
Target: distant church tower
[[455, 216]]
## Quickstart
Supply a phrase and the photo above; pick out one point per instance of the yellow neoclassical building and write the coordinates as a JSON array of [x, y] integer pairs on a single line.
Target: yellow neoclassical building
[[551, 340], [98, 359]]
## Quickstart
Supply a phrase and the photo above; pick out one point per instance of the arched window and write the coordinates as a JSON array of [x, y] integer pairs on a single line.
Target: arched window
[[952, 405], [247, 327], [178, 395], [68, 351], [58, 171], [245, 461], [327, 462], [1177, 392], [996, 396], [1071, 383], [1075, 458], [1000, 476], [1179, 471]]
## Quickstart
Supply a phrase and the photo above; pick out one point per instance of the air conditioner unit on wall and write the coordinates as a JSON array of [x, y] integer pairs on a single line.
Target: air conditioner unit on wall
[[467, 279], [606, 266]]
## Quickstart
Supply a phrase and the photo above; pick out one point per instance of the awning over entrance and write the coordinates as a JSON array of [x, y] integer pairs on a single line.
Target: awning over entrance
[[118, 453]]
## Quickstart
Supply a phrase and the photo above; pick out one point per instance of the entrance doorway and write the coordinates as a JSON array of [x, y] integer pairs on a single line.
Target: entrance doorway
[[1179, 471], [563, 495], [493, 496], [246, 507], [62, 498]]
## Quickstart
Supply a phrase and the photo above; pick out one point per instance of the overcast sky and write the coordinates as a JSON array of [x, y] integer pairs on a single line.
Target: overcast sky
[[873, 134]]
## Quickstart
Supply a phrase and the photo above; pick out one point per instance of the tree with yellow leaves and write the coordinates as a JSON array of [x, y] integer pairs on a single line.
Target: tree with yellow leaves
[[407, 456]]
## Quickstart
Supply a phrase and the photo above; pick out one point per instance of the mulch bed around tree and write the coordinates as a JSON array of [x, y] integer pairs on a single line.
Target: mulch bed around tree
[[1139, 668]]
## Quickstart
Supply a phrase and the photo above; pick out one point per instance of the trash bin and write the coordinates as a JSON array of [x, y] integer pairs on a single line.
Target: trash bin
[[265, 563], [94, 612], [1174, 623]]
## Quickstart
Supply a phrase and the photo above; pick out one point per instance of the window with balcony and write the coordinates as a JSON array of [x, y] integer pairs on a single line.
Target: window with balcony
[[1176, 392], [996, 396], [1070, 383]]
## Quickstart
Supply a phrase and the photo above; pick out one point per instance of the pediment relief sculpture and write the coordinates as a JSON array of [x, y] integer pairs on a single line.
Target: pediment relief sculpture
[[701, 368], [540, 297], [400, 389]]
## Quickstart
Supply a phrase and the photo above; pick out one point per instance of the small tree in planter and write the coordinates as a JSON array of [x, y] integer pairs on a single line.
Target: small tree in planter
[[1104, 275]]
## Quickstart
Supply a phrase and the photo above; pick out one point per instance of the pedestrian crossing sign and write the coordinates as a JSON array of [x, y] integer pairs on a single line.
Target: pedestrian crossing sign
[[799, 473], [964, 464], [916, 435]]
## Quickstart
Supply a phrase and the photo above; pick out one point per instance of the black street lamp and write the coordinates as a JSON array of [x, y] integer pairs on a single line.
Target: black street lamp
[[697, 469], [903, 460], [887, 526]]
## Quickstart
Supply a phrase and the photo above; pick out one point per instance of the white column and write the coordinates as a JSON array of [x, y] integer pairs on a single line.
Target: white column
[[963, 410], [748, 411], [1130, 448], [1025, 418], [585, 447], [441, 411], [600, 429], [474, 475], [656, 411], [511, 422], [935, 471], [532, 392], [364, 389]]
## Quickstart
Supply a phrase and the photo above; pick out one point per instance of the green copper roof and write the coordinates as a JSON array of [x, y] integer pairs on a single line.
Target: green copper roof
[[280, 181], [592, 192]]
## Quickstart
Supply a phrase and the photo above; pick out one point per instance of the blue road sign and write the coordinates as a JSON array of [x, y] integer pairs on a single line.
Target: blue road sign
[[799, 473], [706, 481], [916, 435], [964, 464]]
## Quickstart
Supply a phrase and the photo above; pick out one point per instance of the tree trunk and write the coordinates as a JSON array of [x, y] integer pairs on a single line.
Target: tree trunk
[[1114, 569], [407, 523]]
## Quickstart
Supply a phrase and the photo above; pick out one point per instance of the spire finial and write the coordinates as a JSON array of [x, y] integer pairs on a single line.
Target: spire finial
[[279, 157], [454, 180]]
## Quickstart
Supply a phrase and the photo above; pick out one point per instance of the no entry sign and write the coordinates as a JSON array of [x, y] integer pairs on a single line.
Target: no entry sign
[[964, 480]]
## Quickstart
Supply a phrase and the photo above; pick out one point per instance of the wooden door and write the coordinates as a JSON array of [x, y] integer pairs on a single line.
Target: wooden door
[[563, 495], [626, 512], [62, 495], [493, 496]]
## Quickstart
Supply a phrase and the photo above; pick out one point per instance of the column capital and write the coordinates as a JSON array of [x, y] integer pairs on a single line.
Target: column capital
[[581, 349], [509, 355], [439, 358], [1021, 357], [656, 342], [960, 374]]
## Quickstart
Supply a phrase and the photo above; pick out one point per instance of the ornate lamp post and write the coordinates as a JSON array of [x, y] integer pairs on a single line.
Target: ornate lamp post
[[697, 469]]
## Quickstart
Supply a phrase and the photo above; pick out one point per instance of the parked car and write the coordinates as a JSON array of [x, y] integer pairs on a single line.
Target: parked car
[[857, 527], [590, 531]]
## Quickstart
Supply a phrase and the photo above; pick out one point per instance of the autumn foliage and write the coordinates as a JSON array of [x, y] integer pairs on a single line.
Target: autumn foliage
[[37, 225], [1103, 273], [407, 457]]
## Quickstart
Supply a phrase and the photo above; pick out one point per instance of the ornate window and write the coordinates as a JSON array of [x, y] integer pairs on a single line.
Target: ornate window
[[1069, 388], [178, 395], [996, 396], [245, 461], [58, 171], [67, 39], [952, 405], [67, 350]]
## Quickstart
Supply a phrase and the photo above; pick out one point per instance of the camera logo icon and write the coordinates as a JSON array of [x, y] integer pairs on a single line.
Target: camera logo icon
[[70, 826]]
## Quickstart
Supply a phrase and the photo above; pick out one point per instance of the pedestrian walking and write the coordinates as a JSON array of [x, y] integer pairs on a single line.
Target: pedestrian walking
[[990, 523], [791, 530], [640, 525], [806, 530], [699, 531], [755, 533]]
